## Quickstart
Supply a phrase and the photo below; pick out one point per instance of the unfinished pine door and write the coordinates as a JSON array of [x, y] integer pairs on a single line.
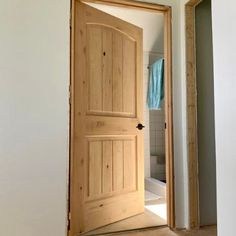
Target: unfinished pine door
[[107, 180]]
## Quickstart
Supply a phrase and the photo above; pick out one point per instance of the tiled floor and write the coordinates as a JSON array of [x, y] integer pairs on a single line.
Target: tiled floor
[[150, 196]]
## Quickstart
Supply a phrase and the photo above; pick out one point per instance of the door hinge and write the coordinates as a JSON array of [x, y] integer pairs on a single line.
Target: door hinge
[[70, 94], [70, 23], [68, 221]]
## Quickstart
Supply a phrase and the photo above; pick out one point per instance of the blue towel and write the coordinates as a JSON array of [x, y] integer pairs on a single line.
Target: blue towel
[[156, 85]]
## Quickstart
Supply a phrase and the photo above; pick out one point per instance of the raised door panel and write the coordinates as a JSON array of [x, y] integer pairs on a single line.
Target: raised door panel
[[107, 166], [111, 166], [107, 75], [95, 72], [118, 170], [111, 72], [129, 76]]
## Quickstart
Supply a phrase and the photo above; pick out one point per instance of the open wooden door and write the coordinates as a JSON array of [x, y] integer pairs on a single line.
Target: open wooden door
[[107, 163]]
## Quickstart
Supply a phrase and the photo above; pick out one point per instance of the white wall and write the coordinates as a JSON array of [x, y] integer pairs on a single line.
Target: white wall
[[34, 79], [157, 131], [224, 51]]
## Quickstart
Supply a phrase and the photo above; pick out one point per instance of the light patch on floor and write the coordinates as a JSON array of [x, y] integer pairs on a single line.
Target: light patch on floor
[[158, 209], [156, 205]]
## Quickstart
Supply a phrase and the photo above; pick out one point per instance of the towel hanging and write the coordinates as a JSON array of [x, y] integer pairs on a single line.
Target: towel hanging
[[156, 85]]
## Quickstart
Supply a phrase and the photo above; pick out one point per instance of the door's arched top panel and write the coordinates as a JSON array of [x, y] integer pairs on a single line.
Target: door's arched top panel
[[111, 72], [112, 28]]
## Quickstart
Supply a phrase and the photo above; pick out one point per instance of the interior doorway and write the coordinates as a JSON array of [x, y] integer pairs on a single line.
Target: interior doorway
[[117, 52], [201, 130]]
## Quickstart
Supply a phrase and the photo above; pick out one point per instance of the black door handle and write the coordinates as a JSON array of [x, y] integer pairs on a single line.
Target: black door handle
[[140, 126]]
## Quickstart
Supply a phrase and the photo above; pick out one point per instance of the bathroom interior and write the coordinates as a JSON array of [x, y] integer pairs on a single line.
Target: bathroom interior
[[154, 136], [154, 119]]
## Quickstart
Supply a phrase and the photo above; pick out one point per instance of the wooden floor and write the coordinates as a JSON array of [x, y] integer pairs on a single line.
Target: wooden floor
[[206, 231], [135, 226], [147, 219]]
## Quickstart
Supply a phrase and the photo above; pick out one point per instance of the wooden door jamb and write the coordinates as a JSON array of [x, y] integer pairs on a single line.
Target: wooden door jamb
[[192, 139]]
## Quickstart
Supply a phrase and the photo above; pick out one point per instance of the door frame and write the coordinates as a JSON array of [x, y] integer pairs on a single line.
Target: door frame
[[192, 126], [167, 12]]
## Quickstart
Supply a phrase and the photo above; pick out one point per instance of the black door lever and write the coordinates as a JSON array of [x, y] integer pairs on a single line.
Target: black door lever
[[140, 126]]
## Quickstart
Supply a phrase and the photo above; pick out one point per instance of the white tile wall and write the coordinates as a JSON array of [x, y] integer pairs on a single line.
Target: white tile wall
[[158, 170], [157, 132], [153, 120]]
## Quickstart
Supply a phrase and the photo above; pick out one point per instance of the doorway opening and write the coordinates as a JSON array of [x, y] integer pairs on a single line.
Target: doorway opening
[[201, 130], [106, 137]]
